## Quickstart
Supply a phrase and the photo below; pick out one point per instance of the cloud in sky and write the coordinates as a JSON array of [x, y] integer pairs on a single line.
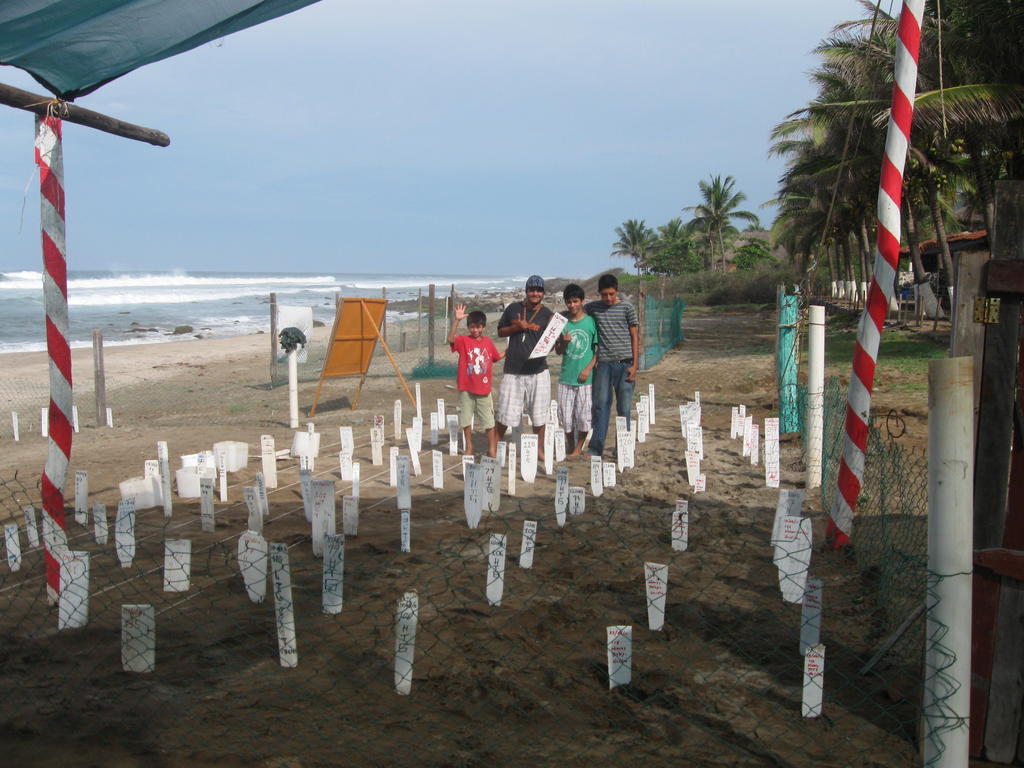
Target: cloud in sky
[[498, 136]]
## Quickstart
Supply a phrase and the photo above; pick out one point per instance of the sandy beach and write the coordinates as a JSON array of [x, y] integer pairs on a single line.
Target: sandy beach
[[520, 683]]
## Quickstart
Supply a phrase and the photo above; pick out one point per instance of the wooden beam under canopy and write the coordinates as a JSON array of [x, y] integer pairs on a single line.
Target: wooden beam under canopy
[[38, 104]]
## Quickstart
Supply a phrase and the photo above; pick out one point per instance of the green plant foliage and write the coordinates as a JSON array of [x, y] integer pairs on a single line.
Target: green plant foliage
[[752, 254]]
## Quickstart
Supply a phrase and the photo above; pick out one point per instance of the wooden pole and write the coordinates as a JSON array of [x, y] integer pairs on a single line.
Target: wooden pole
[[273, 338], [99, 377], [38, 104], [394, 363], [431, 289], [384, 320], [419, 318]]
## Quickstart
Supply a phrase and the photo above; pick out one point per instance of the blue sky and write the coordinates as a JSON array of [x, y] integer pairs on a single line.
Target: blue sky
[[455, 136]]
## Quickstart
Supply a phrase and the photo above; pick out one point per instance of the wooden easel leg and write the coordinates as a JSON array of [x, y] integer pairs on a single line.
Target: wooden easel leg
[[391, 357], [359, 390], [316, 397]]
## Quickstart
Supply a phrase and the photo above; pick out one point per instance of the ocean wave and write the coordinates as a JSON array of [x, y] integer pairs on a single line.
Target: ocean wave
[[30, 280], [129, 299]]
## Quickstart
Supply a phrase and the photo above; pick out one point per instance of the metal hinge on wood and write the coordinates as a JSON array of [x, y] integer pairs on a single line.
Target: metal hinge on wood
[[986, 310]]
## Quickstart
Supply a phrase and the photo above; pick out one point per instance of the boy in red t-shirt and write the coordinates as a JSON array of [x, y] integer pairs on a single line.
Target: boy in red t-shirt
[[477, 355]]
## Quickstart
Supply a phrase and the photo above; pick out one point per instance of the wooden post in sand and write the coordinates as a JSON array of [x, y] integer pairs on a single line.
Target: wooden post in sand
[[384, 321], [99, 377], [419, 317], [431, 293], [273, 338]]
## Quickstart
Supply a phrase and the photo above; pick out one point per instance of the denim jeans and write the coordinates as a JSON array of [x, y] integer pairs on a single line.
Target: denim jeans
[[609, 379]]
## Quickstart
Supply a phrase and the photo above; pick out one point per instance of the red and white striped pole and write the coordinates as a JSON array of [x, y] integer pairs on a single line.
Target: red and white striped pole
[[865, 355], [50, 159]]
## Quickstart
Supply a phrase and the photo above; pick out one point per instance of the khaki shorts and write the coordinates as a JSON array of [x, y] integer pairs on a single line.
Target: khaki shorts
[[480, 406]]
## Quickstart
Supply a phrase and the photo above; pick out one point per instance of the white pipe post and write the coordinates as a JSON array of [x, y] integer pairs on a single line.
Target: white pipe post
[[293, 389], [947, 691], [815, 393]]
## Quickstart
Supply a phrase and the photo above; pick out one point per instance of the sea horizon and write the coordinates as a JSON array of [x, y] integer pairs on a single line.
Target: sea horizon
[[146, 306]]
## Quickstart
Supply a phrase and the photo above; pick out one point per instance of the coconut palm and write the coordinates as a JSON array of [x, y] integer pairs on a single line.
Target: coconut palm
[[715, 214], [636, 240]]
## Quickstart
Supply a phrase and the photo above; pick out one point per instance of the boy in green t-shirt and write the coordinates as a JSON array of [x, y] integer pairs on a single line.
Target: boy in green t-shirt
[[577, 346]]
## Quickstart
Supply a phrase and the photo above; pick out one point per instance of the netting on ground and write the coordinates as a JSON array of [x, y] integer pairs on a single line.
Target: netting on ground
[[663, 327]]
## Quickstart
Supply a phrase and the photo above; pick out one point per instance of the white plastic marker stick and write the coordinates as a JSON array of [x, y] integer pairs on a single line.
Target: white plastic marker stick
[[74, 417], [529, 468], [405, 641], [656, 587], [681, 525], [12, 542], [252, 505], [124, 532], [268, 459], [650, 403], [99, 521], [348, 444], [398, 420], [350, 515], [620, 656], [283, 605], [437, 464], [261, 495], [577, 499], [596, 476], [453, 435], [152, 471], [553, 413], [404, 492], [473, 494], [772, 463], [433, 429], [44, 422], [755, 444], [734, 423], [419, 402], [492, 484], [696, 398], [701, 484], [417, 431], [502, 452], [630, 461], [529, 544], [14, 426], [177, 564], [393, 466], [377, 453], [495, 568], [692, 467], [793, 556], [406, 528], [642, 418], [748, 431], [810, 615], [356, 474], [110, 417], [550, 336], [31, 525], [334, 573], [814, 681], [73, 603], [620, 441], [695, 439], [253, 565], [165, 475], [207, 517], [345, 466], [609, 474], [414, 452], [561, 495], [559, 444], [466, 461], [222, 475], [138, 638], [323, 513], [81, 496], [512, 472], [442, 418], [549, 448], [789, 504]]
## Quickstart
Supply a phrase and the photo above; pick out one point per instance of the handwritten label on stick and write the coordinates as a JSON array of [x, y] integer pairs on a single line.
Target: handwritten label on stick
[[681, 525], [73, 603], [334, 573], [12, 542], [473, 494], [138, 638], [609, 474], [404, 483], [284, 608], [406, 619], [81, 496], [99, 518], [529, 544], [656, 587], [620, 656], [529, 458], [596, 476], [810, 614], [512, 469], [207, 518], [406, 528], [437, 464], [550, 335], [177, 564], [350, 515], [31, 525], [253, 564], [793, 556], [268, 459], [492, 484], [124, 532], [495, 568], [577, 499], [561, 495], [814, 681]]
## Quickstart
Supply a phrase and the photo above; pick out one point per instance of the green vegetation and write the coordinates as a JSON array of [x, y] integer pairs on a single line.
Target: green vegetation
[[902, 360]]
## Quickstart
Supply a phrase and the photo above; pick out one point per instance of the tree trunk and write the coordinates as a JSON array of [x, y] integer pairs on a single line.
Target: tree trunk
[[833, 269], [940, 233], [866, 262], [914, 241], [844, 242], [983, 183]]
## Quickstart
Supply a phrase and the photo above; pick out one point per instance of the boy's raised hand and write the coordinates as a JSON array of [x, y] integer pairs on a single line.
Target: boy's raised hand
[[460, 312]]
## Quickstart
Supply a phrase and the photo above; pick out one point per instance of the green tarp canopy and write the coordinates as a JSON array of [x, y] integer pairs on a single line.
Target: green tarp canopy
[[72, 47]]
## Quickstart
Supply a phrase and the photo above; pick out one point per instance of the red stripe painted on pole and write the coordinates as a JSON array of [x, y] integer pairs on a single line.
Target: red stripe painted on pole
[[60, 351], [55, 264], [50, 188], [890, 188]]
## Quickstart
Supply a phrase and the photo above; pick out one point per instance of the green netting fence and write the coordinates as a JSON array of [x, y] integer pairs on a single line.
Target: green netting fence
[[663, 328]]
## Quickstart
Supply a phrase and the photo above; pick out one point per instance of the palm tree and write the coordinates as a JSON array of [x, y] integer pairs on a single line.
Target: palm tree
[[636, 240], [715, 214]]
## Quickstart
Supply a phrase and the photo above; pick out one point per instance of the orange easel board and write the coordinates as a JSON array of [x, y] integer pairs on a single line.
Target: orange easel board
[[354, 337]]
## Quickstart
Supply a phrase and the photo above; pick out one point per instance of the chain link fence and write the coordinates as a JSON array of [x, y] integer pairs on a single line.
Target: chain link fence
[[663, 327]]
